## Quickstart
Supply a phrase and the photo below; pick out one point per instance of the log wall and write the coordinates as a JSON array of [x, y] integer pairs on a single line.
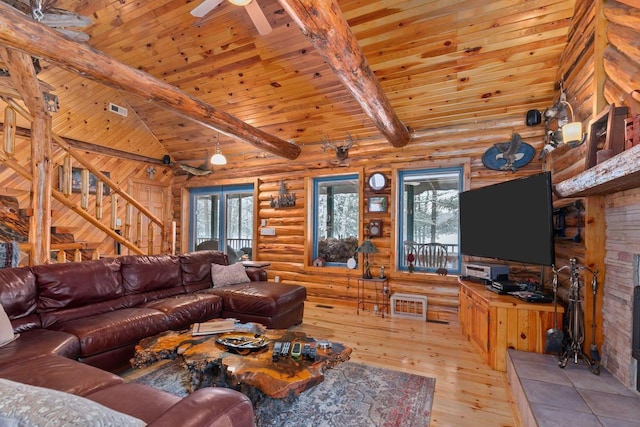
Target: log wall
[[288, 252], [604, 68]]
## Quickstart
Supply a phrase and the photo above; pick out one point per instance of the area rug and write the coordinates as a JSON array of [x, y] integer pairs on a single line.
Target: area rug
[[351, 394]]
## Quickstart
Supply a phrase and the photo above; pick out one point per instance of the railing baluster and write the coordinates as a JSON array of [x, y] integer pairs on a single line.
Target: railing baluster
[[99, 190], [9, 131], [150, 238], [114, 210], [138, 228], [84, 189], [66, 176]]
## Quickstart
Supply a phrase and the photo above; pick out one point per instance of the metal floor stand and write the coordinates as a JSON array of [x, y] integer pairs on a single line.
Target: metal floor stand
[[576, 320]]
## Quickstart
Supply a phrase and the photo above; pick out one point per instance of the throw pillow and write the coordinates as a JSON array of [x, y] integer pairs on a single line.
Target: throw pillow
[[6, 330], [224, 275], [30, 406]]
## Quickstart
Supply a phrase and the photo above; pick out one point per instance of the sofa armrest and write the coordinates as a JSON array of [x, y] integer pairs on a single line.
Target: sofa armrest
[[209, 407], [257, 274]]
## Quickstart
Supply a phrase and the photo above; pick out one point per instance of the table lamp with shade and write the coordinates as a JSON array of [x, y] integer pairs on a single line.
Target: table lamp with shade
[[366, 248]]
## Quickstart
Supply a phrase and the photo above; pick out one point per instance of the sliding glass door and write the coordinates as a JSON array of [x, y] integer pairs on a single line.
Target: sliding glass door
[[222, 218]]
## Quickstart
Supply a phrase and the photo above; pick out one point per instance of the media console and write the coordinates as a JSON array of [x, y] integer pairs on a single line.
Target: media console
[[494, 323]]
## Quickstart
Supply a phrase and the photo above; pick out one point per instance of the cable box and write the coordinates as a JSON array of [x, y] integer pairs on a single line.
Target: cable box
[[504, 287]]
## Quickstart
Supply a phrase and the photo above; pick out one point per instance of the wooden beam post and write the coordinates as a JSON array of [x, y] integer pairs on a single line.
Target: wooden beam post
[[40, 221], [24, 78], [325, 27], [18, 31]]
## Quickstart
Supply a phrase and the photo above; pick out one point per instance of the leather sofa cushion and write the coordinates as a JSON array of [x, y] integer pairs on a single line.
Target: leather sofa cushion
[[60, 373], [18, 294], [49, 317], [145, 273], [208, 406], [183, 310], [37, 342], [77, 283], [138, 400], [260, 298], [114, 329], [196, 267]]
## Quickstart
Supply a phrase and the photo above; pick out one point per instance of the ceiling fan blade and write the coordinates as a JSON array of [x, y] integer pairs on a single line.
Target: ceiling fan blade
[[205, 7], [258, 18]]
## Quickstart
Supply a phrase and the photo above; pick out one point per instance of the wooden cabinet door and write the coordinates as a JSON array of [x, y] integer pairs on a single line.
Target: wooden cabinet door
[[464, 313], [480, 325]]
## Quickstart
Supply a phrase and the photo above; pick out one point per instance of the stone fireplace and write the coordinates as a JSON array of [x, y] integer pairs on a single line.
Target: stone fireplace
[[622, 287]]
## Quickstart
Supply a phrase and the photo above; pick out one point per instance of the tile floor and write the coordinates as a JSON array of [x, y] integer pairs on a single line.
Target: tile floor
[[548, 396]]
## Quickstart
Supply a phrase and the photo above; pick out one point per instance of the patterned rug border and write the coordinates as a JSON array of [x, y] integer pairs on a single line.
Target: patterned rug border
[[352, 394]]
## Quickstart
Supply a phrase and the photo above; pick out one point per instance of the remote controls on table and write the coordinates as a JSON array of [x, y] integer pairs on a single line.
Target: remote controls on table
[[293, 349], [277, 347], [286, 347], [296, 350]]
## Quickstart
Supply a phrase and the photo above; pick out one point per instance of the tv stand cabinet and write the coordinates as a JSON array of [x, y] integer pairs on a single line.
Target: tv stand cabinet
[[494, 323]]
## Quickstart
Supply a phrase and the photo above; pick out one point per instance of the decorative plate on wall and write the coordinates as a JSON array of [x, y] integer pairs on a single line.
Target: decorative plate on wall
[[510, 155]]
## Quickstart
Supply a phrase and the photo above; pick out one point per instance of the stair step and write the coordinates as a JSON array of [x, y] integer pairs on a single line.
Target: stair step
[[75, 245], [56, 229]]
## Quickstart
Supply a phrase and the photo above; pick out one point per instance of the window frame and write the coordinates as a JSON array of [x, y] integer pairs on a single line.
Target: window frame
[[463, 166], [222, 191], [312, 183]]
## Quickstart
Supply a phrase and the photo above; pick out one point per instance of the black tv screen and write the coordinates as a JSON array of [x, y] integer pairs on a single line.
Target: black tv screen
[[511, 221]]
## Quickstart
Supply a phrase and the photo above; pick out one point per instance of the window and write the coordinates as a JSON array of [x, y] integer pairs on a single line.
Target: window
[[222, 218], [428, 219], [336, 219]]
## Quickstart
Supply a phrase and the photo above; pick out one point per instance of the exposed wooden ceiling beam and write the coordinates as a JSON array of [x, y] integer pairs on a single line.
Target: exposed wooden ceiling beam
[[325, 27], [19, 32], [93, 148], [24, 79]]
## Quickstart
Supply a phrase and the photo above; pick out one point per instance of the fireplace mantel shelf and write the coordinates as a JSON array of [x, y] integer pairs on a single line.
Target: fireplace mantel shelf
[[619, 173]]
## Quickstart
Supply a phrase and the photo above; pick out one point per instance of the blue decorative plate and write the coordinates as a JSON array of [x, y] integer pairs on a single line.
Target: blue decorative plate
[[495, 159]]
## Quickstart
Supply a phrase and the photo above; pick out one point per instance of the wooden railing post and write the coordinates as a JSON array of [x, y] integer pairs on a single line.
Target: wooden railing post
[[9, 131]]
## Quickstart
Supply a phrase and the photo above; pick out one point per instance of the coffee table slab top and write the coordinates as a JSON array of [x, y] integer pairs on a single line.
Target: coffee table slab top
[[203, 357]]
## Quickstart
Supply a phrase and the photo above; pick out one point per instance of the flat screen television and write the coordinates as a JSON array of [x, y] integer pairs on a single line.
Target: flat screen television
[[510, 221]]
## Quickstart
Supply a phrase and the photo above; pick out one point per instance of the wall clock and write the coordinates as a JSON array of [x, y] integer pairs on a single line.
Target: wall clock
[[375, 228], [377, 181]]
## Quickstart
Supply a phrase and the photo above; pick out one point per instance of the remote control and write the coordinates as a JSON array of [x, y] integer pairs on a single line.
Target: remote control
[[296, 350], [286, 346], [277, 347]]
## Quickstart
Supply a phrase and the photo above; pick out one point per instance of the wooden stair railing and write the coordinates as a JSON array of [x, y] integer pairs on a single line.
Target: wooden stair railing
[[168, 236]]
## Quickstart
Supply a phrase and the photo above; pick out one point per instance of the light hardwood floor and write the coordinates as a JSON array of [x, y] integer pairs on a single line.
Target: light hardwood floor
[[468, 392]]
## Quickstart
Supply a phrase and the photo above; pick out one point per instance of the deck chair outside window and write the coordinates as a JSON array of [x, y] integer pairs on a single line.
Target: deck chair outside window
[[432, 255]]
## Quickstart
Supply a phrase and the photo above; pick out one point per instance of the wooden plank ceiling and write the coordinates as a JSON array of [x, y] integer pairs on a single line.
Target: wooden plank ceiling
[[439, 62]]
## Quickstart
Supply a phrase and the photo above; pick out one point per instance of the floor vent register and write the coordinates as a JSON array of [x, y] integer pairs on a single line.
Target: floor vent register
[[409, 306]]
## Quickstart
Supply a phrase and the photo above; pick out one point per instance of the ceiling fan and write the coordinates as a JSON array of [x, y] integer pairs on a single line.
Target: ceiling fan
[[252, 7]]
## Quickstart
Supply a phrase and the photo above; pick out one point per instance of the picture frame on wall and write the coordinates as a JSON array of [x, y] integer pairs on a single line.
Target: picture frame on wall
[[76, 181], [378, 203]]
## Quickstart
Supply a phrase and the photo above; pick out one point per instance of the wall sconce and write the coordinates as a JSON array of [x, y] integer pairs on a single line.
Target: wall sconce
[[218, 158], [568, 131]]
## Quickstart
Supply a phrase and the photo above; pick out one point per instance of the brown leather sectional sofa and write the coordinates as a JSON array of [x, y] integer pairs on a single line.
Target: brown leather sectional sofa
[[95, 312]]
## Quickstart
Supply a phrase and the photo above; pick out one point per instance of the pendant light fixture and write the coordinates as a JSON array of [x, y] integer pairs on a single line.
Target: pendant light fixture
[[240, 2], [218, 158]]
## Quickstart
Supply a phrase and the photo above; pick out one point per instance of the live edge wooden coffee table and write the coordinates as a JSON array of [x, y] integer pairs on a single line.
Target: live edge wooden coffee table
[[210, 363]]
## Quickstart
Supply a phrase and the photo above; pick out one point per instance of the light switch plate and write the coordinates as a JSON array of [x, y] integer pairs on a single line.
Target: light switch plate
[[268, 231]]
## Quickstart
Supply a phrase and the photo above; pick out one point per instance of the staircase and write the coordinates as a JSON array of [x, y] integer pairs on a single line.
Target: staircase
[[65, 247], [14, 227]]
